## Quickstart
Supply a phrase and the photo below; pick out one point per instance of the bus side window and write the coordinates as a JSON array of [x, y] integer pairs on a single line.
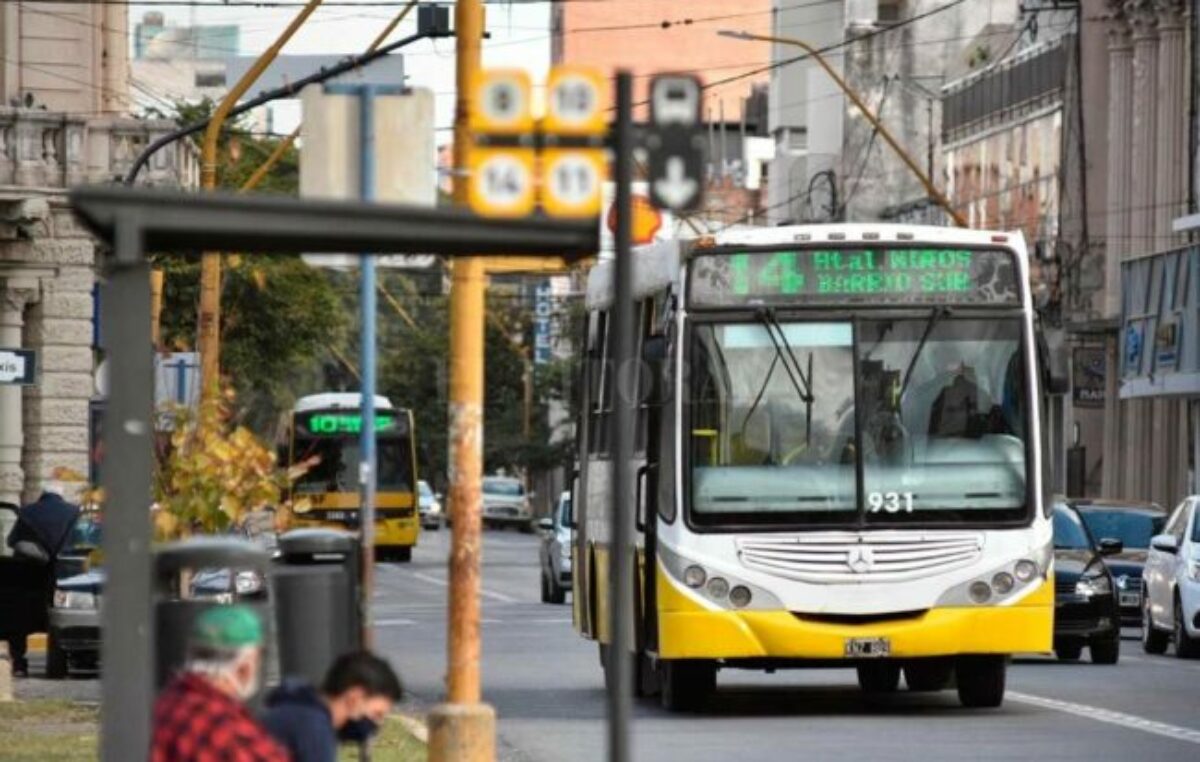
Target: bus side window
[[600, 387]]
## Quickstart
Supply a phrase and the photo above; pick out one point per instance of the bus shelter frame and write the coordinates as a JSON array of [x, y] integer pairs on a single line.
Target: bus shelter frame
[[133, 222]]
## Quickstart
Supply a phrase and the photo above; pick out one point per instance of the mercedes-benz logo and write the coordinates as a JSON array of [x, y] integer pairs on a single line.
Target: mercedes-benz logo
[[860, 559]]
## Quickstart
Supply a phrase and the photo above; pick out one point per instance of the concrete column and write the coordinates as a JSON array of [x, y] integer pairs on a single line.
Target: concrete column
[[1195, 486], [1170, 199], [1120, 131], [1137, 430], [14, 296]]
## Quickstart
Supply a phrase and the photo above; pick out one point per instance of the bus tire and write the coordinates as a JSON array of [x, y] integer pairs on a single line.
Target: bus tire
[[402, 555], [686, 684], [981, 681], [878, 677]]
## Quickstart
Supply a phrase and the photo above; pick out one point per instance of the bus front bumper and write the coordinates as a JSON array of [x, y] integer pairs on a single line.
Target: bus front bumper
[[688, 631]]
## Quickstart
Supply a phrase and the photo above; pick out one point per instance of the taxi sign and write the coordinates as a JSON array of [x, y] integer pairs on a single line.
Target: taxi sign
[[501, 102], [575, 98], [572, 181], [502, 181]]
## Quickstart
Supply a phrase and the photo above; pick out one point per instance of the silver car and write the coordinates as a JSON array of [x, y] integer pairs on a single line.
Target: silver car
[[430, 506], [555, 551], [506, 504]]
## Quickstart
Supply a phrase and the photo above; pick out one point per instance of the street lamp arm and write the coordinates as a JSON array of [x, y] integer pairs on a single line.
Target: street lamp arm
[[870, 116]]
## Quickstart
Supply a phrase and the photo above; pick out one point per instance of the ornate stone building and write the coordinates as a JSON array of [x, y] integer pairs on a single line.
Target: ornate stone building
[[64, 120], [1146, 437]]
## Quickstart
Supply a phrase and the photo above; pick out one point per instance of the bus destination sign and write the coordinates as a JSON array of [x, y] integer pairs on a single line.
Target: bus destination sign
[[892, 276], [347, 424]]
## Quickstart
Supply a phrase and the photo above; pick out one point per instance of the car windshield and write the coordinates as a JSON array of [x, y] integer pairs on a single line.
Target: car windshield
[[338, 468], [936, 421], [505, 487], [1069, 533], [1133, 528], [423, 488], [564, 512], [1196, 529]]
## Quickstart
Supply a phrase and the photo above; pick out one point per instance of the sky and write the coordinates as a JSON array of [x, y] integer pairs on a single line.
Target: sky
[[520, 38]]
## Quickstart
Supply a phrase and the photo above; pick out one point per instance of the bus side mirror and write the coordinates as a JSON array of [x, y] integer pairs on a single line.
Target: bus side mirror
[[1054, 371]]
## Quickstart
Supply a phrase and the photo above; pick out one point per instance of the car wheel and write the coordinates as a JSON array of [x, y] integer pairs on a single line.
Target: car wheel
[[545, 587], [879, 677], [929, 675], [1106, 649], [528, 527], [686, 684], [1154, 640], [981, 680], [56, 659], [1068, 651], [1186, 647]]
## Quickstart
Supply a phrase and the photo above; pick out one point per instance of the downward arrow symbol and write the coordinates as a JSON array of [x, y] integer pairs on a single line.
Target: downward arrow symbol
[[676, 189]]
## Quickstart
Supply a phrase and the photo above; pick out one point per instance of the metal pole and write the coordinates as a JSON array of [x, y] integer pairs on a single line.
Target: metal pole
[[127, 649], [208, 323], [620, 591], [368, 471]]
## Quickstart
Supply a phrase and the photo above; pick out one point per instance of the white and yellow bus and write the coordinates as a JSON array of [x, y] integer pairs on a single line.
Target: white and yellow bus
[[839, 460], [328, 427]]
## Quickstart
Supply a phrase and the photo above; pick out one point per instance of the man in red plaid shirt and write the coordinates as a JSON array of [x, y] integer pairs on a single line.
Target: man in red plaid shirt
[[201, 715]]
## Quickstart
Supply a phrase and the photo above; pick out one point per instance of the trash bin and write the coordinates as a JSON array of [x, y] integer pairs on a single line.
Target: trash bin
[[196, 574], [316, 589]]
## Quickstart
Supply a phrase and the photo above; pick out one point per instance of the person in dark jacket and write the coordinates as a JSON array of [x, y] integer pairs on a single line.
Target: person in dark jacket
[[359, 690]]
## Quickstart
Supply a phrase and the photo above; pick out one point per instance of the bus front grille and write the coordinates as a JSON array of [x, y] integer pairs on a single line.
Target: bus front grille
[[850, 557]]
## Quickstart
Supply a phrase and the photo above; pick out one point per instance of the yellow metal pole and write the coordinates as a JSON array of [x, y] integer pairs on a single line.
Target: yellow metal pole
[[909, 162], [270, 162], [208, 327], [463, 729], [397, 306], [156, 302]]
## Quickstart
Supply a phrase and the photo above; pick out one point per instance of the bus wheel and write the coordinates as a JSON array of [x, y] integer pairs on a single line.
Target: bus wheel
[[878, 677], [981, 680], [686, 684], [928, 675], [402, 555]]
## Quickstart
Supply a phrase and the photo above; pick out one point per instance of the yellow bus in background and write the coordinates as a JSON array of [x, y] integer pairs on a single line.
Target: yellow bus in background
[[328, 427]]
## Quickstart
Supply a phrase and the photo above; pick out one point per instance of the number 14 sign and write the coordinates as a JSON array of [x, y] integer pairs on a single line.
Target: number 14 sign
[[565, 173]]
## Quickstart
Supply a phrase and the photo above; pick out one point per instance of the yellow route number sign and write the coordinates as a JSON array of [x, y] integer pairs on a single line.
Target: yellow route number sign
[[502, 181], [502, 102], [572, 180], [575, 100]]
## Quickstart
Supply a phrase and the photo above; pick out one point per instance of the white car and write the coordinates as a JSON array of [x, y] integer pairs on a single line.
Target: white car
[[429, 506], [1171, 611], [506, 504]]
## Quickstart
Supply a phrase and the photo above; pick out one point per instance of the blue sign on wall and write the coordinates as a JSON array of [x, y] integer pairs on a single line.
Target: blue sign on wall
[[543, 322]]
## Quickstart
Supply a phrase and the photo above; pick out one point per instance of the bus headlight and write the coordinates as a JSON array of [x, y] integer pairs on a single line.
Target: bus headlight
[[980, 592], [740, 596], [718, 587], [1025, 570], [694, 576], [1003, 583]]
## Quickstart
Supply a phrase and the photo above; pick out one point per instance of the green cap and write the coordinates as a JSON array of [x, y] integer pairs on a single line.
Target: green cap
[[234, 626]]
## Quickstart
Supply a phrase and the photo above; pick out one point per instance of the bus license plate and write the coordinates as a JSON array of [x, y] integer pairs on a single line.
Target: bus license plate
[[339, 516], [868, 648]]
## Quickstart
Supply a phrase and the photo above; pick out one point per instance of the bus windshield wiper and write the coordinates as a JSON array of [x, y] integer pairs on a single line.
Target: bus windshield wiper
[[934, 317], [767, 317]]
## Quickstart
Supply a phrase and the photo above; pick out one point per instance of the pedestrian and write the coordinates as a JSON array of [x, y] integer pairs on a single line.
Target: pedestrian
[[201, 715], [358, 691]]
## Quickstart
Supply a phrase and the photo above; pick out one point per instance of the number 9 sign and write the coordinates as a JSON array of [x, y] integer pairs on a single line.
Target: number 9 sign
[[501, 102]]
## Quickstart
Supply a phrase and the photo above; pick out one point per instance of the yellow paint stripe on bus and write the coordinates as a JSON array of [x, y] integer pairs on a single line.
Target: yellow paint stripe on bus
[[689, 630]]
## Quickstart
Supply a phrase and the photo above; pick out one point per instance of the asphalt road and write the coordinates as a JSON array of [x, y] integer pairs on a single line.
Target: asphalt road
[[546, 685]]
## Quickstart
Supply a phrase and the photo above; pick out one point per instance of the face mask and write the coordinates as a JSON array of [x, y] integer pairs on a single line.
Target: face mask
[[358, 730]]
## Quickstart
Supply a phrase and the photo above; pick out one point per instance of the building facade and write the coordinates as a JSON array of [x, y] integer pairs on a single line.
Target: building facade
[[66, 121]]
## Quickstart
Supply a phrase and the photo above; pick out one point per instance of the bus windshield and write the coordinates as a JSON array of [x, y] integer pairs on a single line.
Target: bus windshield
[[337, 470], [928, 412]]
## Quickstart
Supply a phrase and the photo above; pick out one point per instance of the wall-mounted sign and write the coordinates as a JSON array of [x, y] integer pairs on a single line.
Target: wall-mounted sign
[[18, 367], [1088, 376], [1166, 344]]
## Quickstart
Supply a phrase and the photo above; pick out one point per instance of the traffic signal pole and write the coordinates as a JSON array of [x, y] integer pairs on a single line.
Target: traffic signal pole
[[463, 729]]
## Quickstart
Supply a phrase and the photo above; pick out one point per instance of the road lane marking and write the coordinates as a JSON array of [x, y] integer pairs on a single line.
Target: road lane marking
[[1110, 717], [485, 593], [1161, 661], [393, 622]]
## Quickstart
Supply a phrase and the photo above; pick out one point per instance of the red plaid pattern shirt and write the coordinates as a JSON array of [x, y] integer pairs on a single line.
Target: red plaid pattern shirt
[[195, 722]]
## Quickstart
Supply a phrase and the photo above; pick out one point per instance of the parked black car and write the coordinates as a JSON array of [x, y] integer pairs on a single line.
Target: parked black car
[[1085, 604], [1133, 524]]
